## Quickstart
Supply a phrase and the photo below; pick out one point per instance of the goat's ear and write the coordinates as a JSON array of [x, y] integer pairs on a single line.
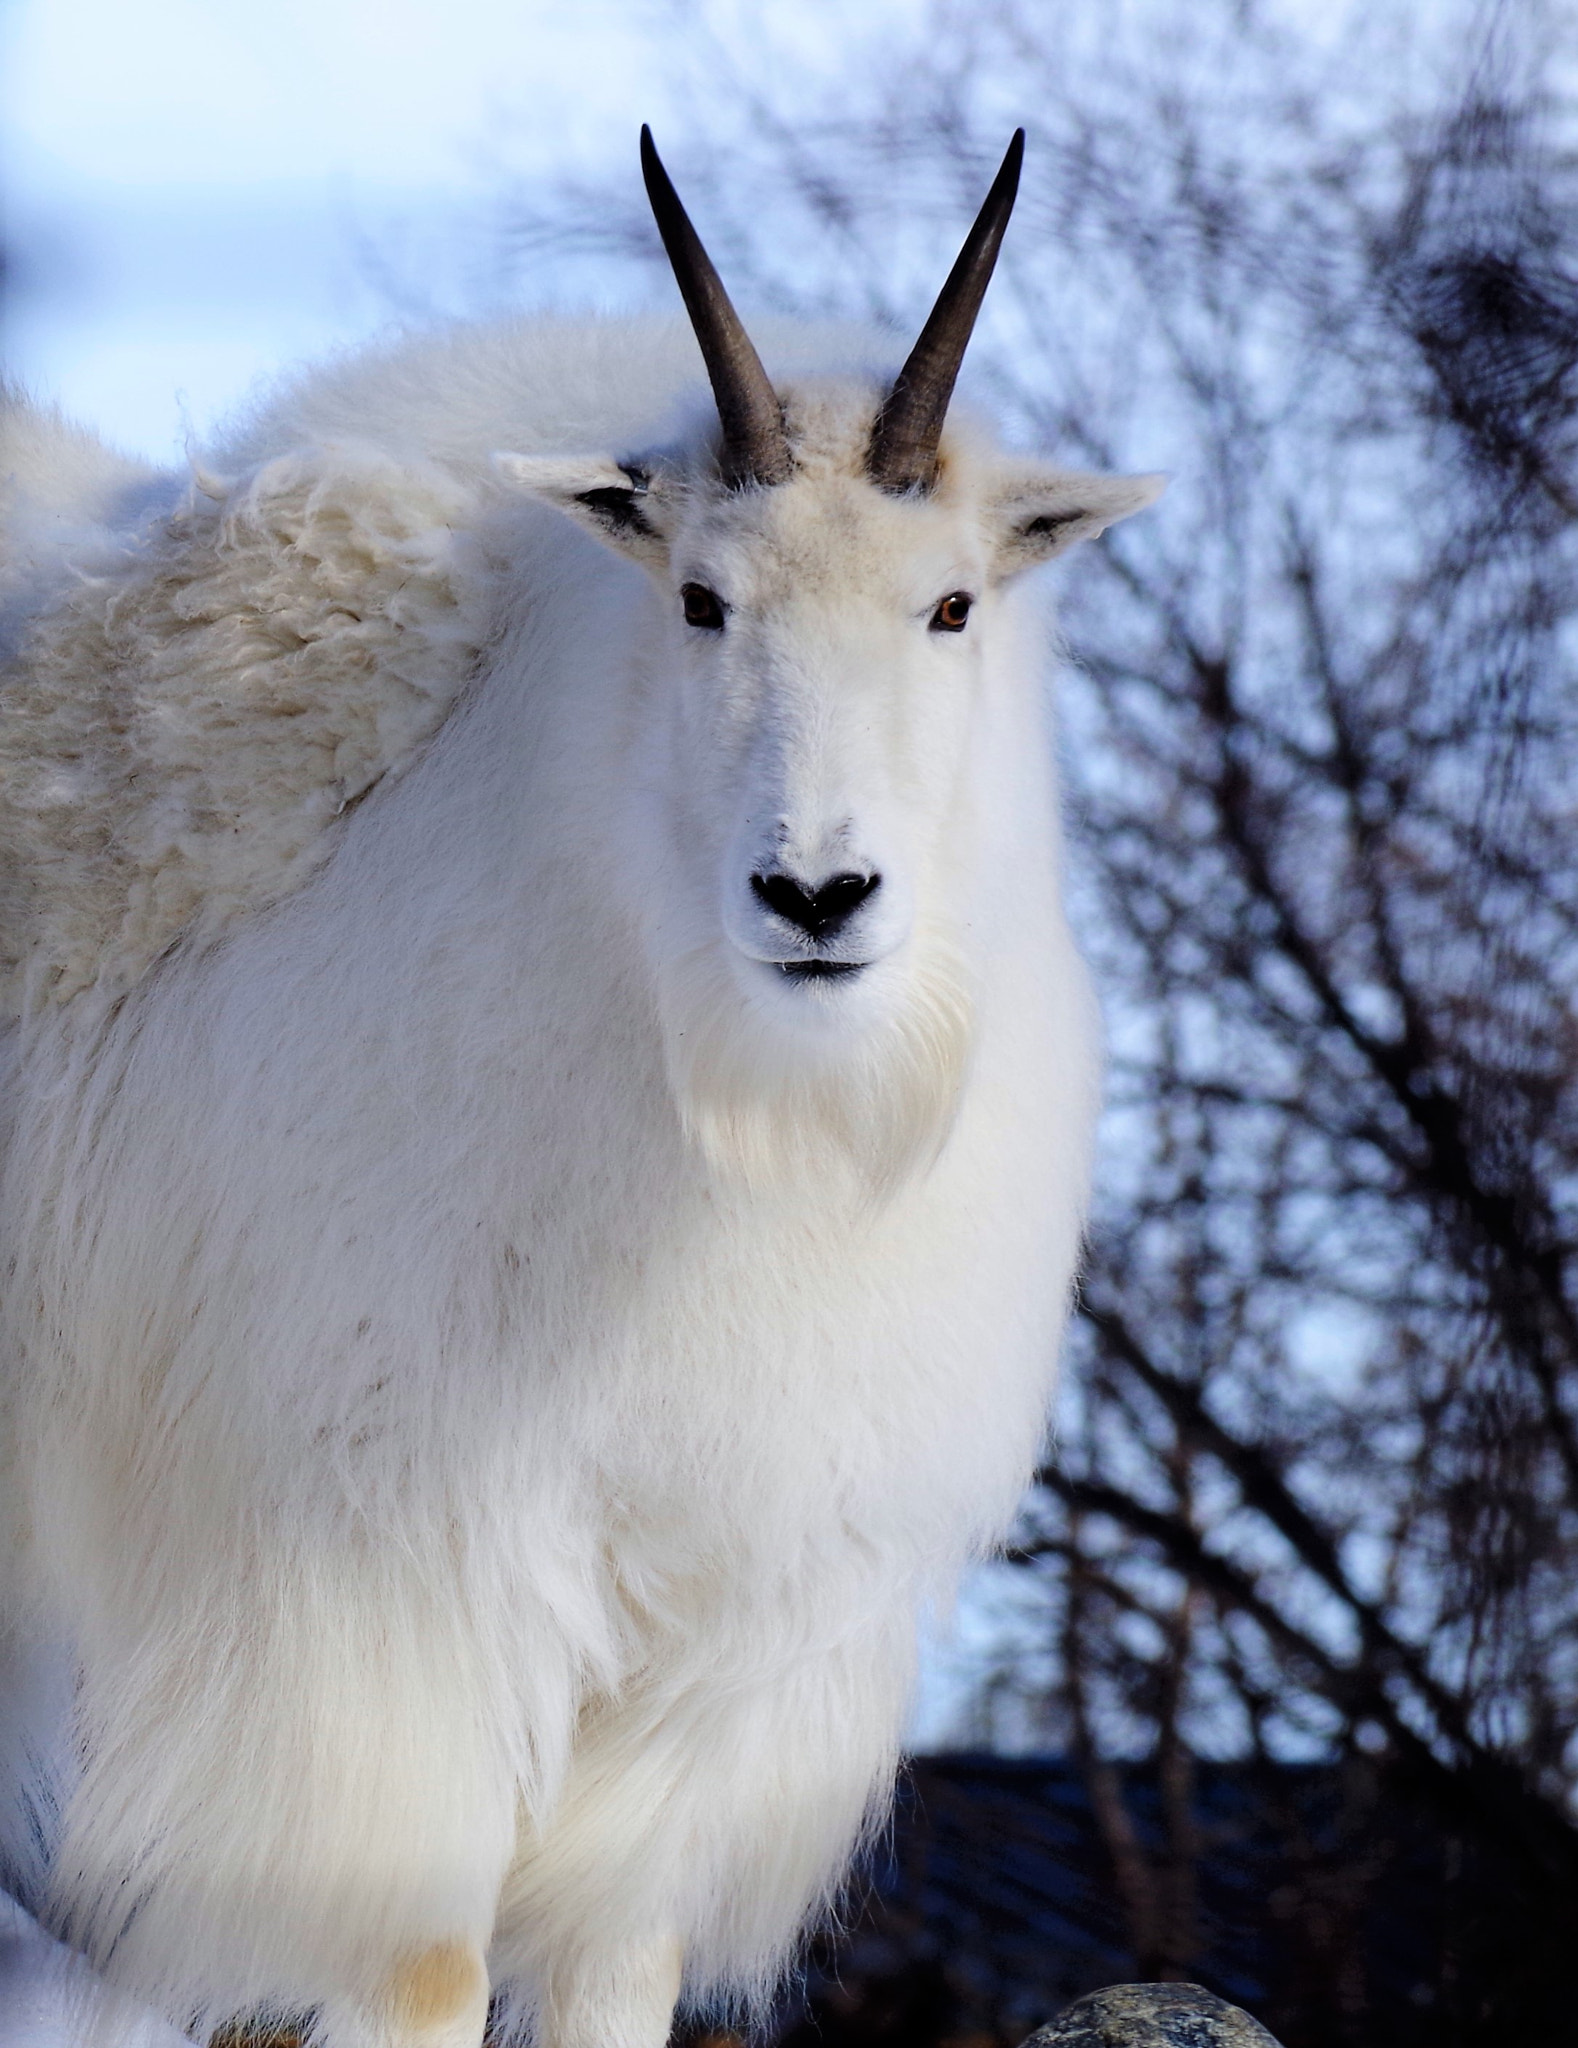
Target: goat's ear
[[620, 502], [1037, 513]]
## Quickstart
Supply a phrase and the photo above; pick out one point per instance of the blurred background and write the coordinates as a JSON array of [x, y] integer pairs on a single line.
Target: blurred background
[[1277, 1688]]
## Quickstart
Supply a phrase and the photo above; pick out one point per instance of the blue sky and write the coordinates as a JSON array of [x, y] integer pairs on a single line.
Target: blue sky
[[198, 192]]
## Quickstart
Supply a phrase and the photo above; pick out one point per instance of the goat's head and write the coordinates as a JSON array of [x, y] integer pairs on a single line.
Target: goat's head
[[831, 563]]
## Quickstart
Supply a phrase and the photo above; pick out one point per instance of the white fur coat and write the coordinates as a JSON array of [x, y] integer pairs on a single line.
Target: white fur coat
[[460, 1496]]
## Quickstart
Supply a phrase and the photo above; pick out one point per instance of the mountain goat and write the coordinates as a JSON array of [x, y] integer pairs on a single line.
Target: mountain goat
[[545, 1122]]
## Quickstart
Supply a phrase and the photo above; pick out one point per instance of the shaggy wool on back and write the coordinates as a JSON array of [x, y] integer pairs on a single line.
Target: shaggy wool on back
[[176, 737]]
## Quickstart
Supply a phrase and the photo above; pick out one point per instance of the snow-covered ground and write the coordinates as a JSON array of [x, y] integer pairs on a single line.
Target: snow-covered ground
[[48, 1998]]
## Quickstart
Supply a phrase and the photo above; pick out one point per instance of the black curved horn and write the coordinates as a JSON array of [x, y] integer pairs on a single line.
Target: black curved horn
[[755, 450], [903, 454]]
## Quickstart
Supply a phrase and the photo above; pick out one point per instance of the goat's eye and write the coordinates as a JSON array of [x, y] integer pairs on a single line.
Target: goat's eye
[[951, 615], [703, 607]]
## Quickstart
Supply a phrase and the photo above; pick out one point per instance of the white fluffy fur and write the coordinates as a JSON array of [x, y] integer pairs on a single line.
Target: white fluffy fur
[[491, 1370]]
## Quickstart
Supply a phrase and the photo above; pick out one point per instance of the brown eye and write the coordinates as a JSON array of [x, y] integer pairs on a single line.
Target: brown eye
[[703, 607], [951, 615]]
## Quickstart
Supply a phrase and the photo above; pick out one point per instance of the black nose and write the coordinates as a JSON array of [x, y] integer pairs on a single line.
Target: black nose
[[816, 911]]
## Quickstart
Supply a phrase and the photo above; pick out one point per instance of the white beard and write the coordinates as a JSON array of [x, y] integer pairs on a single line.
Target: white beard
[[792, 1111]]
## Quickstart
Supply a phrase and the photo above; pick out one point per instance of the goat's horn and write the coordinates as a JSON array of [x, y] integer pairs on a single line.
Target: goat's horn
[[755, 450], [903, 453]]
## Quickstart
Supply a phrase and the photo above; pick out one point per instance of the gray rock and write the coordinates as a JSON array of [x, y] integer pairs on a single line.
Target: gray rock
[[1152, 2016]]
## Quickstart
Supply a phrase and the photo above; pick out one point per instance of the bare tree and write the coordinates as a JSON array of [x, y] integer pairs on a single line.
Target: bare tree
[[1314, 1488]]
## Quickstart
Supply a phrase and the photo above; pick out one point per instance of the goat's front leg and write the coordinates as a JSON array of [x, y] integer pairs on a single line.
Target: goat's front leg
[[436, 1998], [615, 2002]]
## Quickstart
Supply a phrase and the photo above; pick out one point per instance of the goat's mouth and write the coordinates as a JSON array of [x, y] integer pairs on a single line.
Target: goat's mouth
[[818, 970]]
